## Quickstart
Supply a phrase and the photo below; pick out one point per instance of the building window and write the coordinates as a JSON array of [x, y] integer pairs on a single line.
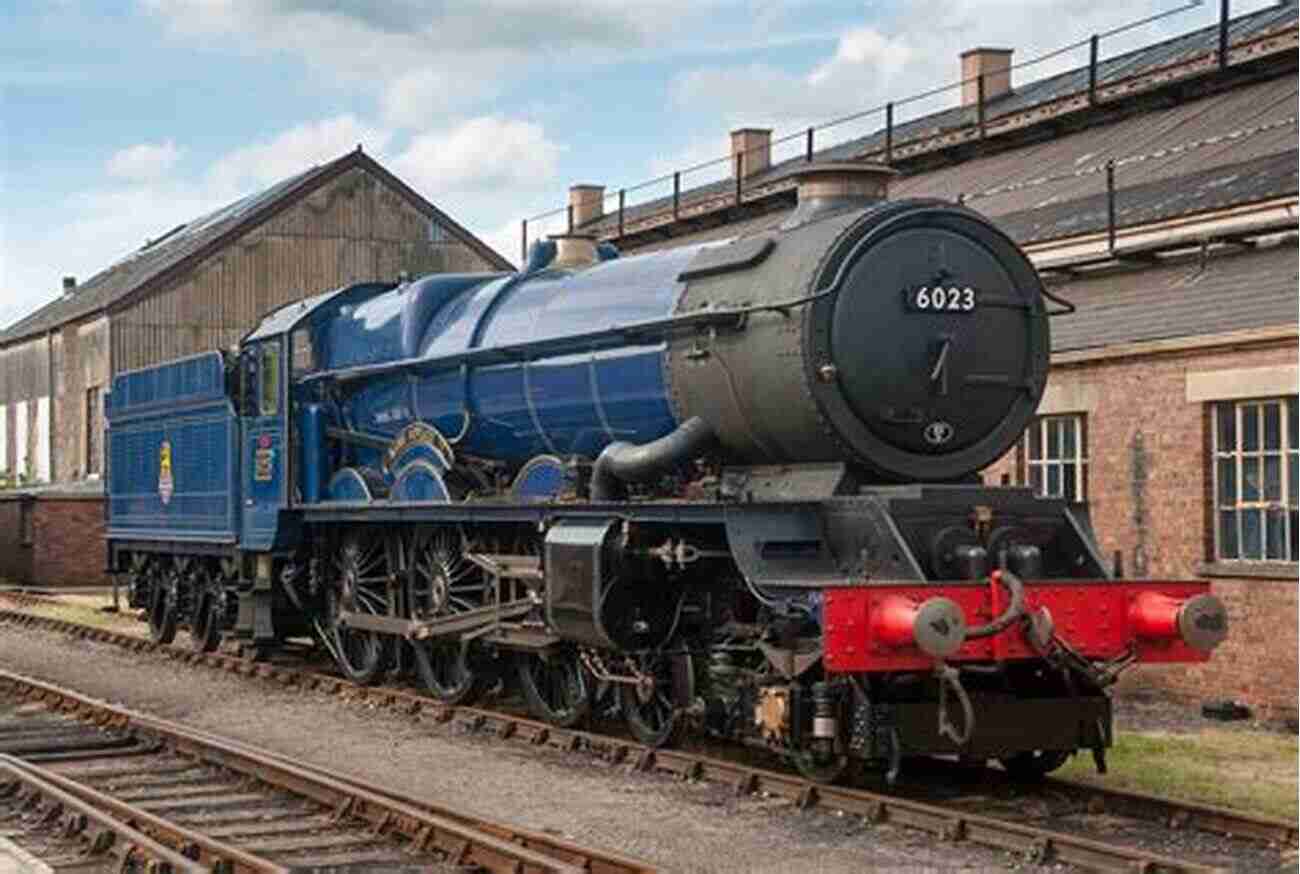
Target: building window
[[1255, 473], [437, 233], [1056, 458], [94, 430]]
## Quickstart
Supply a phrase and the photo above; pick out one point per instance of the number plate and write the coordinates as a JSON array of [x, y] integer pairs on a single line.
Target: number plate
[[941, 299]]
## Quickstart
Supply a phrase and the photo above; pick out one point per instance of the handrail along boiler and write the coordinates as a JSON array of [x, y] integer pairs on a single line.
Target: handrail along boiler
[[730, 486]]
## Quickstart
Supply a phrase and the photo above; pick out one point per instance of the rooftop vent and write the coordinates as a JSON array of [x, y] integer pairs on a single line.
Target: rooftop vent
[[751, 151], [69, 286], [574, 251], [586, 203], [836, 186], [994, 65]]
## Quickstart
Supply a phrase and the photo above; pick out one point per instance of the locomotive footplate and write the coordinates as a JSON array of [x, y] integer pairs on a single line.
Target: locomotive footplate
[[1004, 725]]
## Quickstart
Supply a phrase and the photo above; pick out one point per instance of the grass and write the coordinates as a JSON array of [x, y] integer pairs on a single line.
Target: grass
[[1244, 769], [85, 609]]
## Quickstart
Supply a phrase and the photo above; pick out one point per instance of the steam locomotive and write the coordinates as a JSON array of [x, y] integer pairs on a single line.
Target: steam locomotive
[[731, 487]]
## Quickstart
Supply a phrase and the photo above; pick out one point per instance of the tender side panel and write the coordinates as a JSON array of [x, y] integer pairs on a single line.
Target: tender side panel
[[1093, 618], [172, 438]]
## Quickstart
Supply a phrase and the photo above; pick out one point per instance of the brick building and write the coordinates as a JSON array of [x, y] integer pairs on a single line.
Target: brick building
[[1156, 191], [198, 286]]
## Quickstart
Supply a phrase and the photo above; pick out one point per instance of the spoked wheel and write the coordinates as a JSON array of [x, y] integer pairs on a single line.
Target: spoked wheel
[[162, 603], [1034, 764], [654, 707], [556, 688], [359, 584], [443, 584], [209, 612]]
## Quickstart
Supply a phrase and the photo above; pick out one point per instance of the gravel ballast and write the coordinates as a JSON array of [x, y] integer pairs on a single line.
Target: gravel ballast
[[676, 826]]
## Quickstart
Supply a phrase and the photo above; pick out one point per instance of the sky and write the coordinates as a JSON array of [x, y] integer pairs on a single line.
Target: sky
[[121, 119]]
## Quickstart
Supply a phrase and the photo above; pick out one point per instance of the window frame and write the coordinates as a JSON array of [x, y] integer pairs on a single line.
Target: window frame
[[1239, 457], [94, 428], [1078, 425], [268, 379]]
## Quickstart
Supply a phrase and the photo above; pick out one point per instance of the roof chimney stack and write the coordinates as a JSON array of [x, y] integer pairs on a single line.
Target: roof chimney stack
[[994, 65], [69, 286], [751, 150], [586, 203]]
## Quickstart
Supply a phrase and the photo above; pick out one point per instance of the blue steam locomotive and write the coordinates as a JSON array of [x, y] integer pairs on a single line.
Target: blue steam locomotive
[[730, 486]]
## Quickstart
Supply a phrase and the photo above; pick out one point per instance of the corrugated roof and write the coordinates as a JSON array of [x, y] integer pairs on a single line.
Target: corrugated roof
[[193, 240], [1135, 63], [1254, 289]]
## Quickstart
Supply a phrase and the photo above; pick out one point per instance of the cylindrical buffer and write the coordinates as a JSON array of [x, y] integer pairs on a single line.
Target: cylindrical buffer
[[1201, 621], [936, 626]]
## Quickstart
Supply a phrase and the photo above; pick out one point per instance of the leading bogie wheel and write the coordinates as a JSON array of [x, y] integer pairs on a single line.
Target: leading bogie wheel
[[820, 767], [1033, 765], [555, 687], [654, 707]]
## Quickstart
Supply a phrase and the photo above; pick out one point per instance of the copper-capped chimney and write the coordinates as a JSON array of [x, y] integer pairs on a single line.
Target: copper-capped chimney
[[835, 186], [574, 251]]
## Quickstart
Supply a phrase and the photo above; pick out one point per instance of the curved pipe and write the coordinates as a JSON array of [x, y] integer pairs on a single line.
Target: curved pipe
[[622, 463], [1016, 609]]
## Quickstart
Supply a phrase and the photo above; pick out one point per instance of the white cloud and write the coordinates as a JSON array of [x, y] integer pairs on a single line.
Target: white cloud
[[293, 151], [143, 161], [419, 59], [483, 171], [869, 67], [483, 154]]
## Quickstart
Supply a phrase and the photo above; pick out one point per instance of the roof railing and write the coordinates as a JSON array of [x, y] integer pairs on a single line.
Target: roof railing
[[809, 140]]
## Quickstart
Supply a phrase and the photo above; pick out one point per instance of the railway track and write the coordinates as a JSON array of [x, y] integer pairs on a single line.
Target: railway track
[[105, 784], [947, 821]]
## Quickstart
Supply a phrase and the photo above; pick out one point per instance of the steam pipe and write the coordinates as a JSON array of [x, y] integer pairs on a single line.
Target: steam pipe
[[621, 463]]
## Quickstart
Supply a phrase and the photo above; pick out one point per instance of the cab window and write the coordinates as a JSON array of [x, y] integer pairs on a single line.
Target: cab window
[[269, 380]]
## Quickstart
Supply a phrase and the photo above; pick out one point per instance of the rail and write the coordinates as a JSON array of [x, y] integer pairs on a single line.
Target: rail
[[875, 807], [245, 774]]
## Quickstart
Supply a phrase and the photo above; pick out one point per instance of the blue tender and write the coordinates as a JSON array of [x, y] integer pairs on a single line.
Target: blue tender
[[172, 449]]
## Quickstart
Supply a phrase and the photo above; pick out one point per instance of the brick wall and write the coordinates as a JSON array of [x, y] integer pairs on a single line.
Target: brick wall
[[1149, 489], [67, 544], [15, 557]]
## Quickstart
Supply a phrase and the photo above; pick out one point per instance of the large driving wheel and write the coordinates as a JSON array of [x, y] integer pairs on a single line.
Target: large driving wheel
[[443, 584], [555, 688], [163, 594], [358, 584], [654, 706]]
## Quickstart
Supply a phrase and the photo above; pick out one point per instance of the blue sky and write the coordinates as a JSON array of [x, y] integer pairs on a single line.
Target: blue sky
[[119, 120]]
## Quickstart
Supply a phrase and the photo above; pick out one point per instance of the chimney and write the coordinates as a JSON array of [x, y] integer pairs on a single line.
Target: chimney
[[994, 65], [587, 203], [755, 144], [835, 186], [69, 286], [574, 251]]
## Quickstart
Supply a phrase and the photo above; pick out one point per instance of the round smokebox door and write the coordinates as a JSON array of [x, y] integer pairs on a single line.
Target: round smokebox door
[[930, 341]]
